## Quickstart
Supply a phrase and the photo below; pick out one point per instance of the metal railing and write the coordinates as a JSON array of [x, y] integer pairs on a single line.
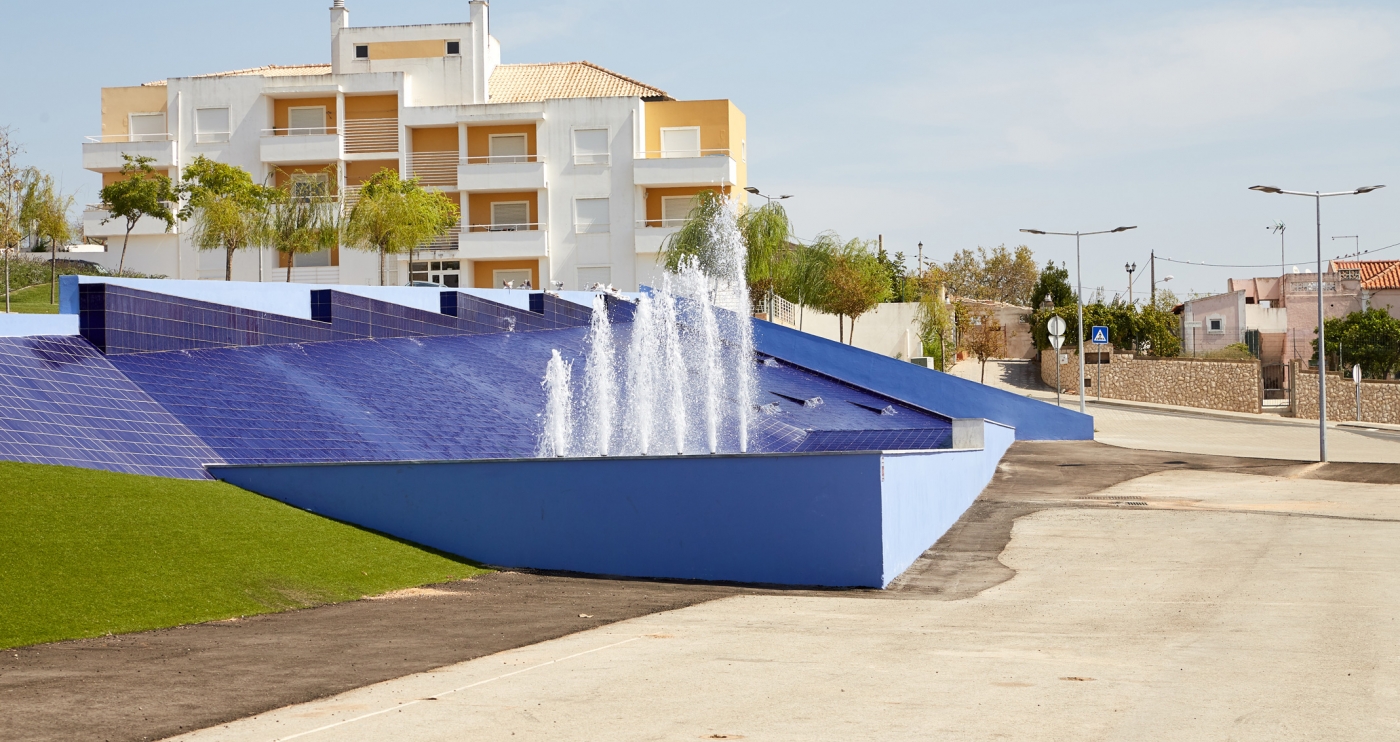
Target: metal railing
[[433, 168], [103, 138], [524, 227], [499, 159], [660, 223], [784, 313], [663, 154], [592, 158], [371, 135], [349, 196], [302, 131], [211, 137]]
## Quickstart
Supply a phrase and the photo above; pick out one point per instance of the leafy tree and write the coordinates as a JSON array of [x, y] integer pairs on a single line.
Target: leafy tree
[[767, 235], [765, 231], [227, 208], [902, 286], [984, 338], [45, 210], [1166, 300], [1053, 282], [1145, 330], [142, 191], [855, 284], [802, 272], [1000, 275], [934, 320], [395, 216], [298, 223], [14, 182], [1370, 338]]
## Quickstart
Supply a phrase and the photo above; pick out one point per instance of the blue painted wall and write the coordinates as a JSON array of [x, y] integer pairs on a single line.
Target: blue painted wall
[[922, 387], [834, 519]]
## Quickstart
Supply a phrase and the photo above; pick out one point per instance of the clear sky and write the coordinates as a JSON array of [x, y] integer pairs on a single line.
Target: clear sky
[[950, 123]]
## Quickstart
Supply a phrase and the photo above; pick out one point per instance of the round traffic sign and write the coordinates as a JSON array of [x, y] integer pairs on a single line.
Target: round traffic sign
[[1056, 326]]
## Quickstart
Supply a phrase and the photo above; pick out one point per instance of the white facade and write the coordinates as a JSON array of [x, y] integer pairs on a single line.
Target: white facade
[[573, 209]]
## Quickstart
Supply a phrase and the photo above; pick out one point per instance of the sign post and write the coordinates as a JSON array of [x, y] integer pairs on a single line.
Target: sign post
[[1099, 337], [1056, 327], [1356, 377]]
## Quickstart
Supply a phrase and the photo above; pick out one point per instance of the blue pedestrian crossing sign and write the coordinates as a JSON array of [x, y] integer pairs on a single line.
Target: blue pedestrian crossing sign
[[1099, 336]]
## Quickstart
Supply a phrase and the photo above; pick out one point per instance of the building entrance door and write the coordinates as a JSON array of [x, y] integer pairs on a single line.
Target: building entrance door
[[445, 273]]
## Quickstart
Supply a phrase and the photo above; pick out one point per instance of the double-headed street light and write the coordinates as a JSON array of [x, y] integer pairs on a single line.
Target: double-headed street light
[[770, 199], [1079, 294], [1317, 197]]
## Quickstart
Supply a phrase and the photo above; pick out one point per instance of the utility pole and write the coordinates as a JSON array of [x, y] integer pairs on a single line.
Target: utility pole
[[1152, 274]]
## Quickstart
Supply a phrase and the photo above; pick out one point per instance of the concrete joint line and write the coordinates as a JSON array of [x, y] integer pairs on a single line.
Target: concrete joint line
[[439, 696]]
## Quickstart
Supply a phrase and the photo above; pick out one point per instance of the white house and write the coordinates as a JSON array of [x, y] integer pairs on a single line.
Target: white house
[[564, 172]]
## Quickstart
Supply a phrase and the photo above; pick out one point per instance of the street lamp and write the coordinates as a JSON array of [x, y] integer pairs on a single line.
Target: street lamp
[[1317, 197], [770, 199], [1079, 294], [1130, 269]]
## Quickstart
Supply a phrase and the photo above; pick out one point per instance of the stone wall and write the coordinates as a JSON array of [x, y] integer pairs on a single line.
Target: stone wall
[[1380, 400], [1190, 382]]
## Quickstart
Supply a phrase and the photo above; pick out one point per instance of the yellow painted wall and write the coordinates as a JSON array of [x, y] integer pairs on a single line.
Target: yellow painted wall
[[281, 176], [654, 196], [479, 205], [481, 271], [437, 139], [408, 49], [371, 106], [738, 135], [359, 171], [479, 138], [280, 106], [712, 116], [118, 102]]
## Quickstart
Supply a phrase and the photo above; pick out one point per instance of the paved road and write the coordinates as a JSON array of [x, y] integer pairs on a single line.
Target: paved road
[[1185, 430], [1135, 596]]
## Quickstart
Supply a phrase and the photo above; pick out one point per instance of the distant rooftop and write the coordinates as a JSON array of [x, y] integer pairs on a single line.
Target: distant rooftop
[[510, 83], [1375, 274]]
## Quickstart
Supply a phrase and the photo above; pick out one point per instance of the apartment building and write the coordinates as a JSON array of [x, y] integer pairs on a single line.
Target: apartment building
[[564, 172]]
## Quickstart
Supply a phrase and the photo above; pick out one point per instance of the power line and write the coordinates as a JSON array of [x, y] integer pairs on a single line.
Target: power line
[[1214, 265]]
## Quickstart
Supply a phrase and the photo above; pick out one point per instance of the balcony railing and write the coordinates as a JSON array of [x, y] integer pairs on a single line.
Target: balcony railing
[[447, 241], [660, 223], [301, 131], [652, 154], [434, 168], [211, 137], [530, 227], [101, 138], [350, 195], [500, 159], [371, 135]]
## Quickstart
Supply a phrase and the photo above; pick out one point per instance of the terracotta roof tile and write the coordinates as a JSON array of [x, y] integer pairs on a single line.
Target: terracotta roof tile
[[1375, 274], [529, 83], [270, 70]]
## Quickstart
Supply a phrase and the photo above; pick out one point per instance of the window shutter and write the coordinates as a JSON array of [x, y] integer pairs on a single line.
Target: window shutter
[[676, 209], [147, 127], [591, 147], [508, 147], [211, 125], [510, 215], [591, 215], [306, 120], [680, 142]]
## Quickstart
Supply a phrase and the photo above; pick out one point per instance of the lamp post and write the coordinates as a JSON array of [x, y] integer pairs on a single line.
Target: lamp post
[[1079, 294], [1130, 269], [1317, 197]]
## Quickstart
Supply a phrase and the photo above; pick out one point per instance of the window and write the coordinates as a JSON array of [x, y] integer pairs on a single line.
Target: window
[[589, 277], [306, 120], [510, 216], [454, 47], [680, 141], [147, 127], [310, 185], [676, 209], [590, 215], [508, 148], [591, 147], [362, 51], [211, 125], [743, 150], [516, 278], [1215, 324]]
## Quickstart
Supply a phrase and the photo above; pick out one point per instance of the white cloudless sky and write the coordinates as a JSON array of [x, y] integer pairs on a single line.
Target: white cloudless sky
[[950, 123]]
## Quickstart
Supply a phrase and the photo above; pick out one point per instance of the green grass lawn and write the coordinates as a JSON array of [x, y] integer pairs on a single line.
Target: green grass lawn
[[32, 300], [86, 553]]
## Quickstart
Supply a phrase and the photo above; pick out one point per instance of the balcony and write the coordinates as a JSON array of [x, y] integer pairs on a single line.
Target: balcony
[[503, 241], [365, 136], [103, 154], [300, 146], [685, 168], [501, 173], [652, 233], [93, 214], [438, 169]]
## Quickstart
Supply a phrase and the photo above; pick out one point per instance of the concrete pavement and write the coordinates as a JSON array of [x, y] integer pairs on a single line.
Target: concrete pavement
[[1180, 605]]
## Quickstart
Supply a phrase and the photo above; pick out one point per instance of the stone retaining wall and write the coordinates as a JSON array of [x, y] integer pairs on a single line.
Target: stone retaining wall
[[1191, 382], [1380, 400]]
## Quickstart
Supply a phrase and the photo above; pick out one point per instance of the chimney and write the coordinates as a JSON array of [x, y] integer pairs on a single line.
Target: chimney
[[481, 38], [340, 18]]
